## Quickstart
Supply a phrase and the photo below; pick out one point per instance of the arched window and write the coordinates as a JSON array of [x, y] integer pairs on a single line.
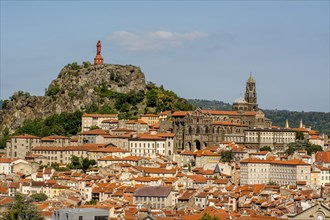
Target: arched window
[[206, 129], [198, 130], [190, 130]]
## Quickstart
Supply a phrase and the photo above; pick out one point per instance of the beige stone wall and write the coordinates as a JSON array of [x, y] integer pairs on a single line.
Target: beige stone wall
[[19, 147], [155, 202], [284, 174], [304, 174], [147, 148], [119, 142]]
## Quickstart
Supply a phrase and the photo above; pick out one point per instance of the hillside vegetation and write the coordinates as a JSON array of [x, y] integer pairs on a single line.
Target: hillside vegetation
[[319, 121], [106, 88]]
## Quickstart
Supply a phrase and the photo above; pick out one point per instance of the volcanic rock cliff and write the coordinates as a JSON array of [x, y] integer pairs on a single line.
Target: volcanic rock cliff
[[74, 89]]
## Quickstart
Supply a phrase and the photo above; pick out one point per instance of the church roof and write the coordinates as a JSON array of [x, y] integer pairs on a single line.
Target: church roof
[[240, 100]]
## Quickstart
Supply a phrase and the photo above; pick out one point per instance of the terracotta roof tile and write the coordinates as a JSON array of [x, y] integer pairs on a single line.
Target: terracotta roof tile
[[153, 191]]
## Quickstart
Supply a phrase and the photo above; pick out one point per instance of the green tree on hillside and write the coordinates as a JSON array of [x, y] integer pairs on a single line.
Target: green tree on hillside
[[5, 138], [57, 124]]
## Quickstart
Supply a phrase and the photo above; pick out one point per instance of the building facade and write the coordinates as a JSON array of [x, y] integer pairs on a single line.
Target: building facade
[[275, 138], [156, 196], [257, 171], [93, 120], [200, 128]]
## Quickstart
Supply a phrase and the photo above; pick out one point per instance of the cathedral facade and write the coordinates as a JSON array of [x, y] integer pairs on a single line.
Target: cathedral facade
[[200, 128]]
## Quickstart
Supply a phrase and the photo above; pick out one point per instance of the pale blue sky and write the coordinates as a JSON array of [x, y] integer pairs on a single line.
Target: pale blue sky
[[198, 49]]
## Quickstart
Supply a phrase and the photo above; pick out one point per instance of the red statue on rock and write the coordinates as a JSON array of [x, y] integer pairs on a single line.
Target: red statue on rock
[[98, 58]]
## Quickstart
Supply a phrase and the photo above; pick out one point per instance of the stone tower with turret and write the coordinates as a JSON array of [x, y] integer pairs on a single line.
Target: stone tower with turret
[[251, 94]]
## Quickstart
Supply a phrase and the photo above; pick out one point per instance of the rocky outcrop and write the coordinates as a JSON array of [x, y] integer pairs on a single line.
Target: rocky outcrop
[[74, 89]]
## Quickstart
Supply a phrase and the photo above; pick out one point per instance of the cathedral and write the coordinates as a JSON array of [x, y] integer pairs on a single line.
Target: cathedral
[[200, 128]]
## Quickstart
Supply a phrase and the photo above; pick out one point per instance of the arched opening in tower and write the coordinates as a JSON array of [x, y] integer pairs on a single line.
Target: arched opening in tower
[[197, 145]]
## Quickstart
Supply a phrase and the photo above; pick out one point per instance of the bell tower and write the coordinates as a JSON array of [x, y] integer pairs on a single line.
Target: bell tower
[[251, 94]]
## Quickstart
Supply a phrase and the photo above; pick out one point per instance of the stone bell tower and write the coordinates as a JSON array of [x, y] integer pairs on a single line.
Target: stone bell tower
[[251, 94], [98, 58]]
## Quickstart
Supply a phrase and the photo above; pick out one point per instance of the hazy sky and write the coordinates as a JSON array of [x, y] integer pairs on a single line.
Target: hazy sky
[[198, 49]]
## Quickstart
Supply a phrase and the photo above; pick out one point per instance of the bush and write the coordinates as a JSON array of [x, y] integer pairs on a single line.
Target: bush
[[53, 90], [73, 66], [5, 104], [39, 197], [265, 148], [86, 64]]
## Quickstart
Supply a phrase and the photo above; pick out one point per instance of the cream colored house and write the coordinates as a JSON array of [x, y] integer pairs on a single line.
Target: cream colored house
[[56, 141], [276, 138], [21, 145], [257, 171], [147, 145], [150, 119], [157, 197], [91, 120]]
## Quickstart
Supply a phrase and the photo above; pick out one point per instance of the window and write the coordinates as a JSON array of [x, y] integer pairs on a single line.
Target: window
[[80, 218]]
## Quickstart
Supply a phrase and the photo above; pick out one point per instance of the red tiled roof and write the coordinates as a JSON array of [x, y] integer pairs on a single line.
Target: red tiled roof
[[132, 158], [260, 153], [25, 136], [100, 115], [148, 136], [149, 115], [322, 156], [179, 114], [198, 178], [225, 123], [272, 161], [95, 132], [53, 137], [6, 160], [156, 170], [153, 191], [110, 121], [188, 153]]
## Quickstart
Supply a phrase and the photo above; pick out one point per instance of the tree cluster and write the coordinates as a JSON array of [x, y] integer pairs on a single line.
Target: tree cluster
[[81, 163], [52, 90], [161, 99], [227, 156], [22, 208], [39, 197], [5, 138], [57, 124], [303, 145], [265, 148]]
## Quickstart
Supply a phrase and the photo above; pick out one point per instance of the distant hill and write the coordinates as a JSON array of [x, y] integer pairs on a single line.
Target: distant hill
[[319, 121], [207, 104]]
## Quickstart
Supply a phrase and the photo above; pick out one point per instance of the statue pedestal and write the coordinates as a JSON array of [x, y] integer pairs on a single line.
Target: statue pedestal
[[98, 60]]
